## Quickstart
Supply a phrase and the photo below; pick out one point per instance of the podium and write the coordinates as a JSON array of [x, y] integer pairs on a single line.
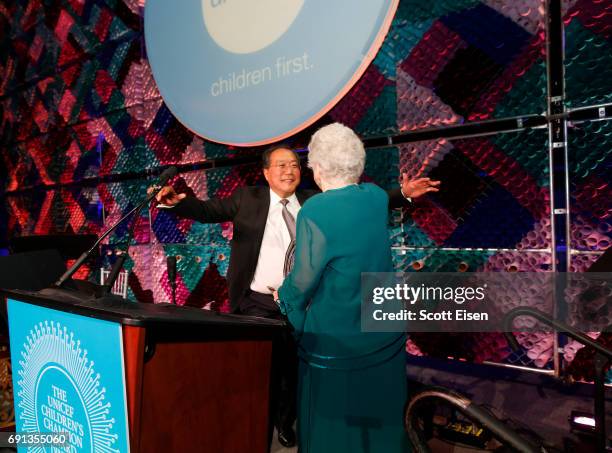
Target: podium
[[115, 375]]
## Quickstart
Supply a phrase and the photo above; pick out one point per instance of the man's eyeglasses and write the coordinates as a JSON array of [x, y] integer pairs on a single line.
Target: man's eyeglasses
[[287, 166]]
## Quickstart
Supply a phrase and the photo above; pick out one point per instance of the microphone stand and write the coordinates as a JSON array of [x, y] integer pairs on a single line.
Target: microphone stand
[[79, 262], [168, 174], [118, 264], [171, 268]]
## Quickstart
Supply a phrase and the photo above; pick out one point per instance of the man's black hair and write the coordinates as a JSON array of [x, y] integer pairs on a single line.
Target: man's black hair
[[265, 157]]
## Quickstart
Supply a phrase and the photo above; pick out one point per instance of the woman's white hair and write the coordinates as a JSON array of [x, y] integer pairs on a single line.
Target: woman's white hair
[[338, 153]]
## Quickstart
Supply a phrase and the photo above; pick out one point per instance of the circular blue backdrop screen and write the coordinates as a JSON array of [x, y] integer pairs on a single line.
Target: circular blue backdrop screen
[[251, 72]]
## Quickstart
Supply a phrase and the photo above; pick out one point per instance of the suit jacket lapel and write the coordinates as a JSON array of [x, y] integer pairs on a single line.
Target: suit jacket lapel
[[261, 216]]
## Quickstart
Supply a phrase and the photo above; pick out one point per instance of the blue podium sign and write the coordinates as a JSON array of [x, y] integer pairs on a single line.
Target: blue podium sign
[[68, 377], [247, 72]]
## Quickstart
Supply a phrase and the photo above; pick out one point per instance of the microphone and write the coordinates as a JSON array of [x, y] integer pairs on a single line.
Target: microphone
[[166, 175], [171, 265]]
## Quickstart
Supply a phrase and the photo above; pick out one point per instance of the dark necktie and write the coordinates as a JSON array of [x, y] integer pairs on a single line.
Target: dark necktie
[[290, 222]]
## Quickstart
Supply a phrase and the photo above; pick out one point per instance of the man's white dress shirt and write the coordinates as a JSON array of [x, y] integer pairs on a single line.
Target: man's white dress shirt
[[276, 239]]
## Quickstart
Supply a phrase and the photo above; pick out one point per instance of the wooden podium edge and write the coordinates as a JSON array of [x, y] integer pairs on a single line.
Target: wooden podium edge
[[133, 351]]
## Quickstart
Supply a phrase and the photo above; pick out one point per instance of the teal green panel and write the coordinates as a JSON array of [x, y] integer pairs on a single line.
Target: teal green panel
[[590, 150], [419, 10], [381, 117], [382, 167], [530, 149], [528, 95], [137, 159], [588, 66], [433, 260], [404, 34]]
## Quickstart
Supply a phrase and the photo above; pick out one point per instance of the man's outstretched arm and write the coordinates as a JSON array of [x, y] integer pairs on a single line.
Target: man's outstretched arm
[[206, 211]]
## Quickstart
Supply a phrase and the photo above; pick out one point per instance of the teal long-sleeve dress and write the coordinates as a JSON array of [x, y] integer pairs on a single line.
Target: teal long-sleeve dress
[[352, 384]]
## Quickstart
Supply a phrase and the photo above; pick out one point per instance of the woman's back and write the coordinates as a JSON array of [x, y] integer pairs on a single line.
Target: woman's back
[[349, 230], [341, 234]]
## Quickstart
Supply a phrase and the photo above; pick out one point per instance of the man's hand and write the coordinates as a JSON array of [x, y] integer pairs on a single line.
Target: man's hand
[[417, 187], [168, 197]]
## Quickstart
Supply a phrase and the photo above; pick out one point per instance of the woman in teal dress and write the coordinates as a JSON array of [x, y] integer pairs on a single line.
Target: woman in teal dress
[[352, 384]]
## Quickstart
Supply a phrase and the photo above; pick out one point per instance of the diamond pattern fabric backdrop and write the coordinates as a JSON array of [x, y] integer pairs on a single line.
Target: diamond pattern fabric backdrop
[[83, 126]]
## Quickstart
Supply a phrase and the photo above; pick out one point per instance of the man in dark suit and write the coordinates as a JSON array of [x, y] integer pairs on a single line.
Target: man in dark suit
[[259, 245]]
